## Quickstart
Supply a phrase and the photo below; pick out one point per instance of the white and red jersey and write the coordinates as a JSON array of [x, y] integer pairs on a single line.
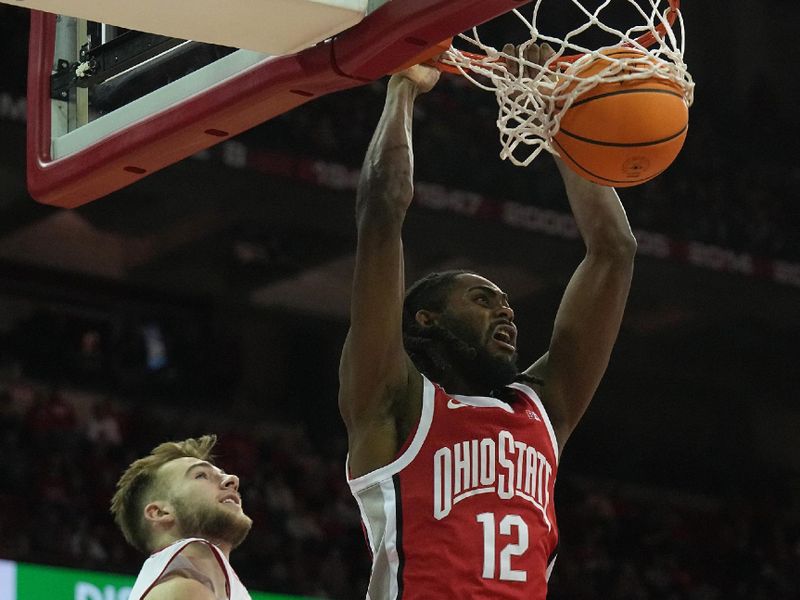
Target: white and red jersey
[[170, 561], [467, 508]]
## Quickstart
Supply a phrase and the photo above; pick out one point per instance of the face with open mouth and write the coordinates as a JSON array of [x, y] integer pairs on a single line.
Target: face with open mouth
[[478, 314], [503, 336]]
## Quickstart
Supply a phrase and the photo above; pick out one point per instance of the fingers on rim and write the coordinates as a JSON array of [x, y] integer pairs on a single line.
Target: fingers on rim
[[532, 53]]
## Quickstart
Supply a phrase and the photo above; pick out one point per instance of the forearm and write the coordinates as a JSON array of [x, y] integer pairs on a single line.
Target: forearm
[[598, 213], [386, 186]]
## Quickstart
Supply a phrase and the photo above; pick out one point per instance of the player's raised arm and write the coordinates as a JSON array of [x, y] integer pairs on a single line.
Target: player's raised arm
[[589, 317], [377, 379]]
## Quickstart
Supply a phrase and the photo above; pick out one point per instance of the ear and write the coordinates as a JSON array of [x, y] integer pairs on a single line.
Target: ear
[[159, 512], [426, 318]]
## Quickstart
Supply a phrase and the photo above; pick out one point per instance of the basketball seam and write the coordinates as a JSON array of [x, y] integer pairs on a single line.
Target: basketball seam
[[620, 92], [623, 144], [611, 181], [624, 51]]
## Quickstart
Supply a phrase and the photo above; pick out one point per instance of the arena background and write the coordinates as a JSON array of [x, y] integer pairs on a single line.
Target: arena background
[[212, 296]]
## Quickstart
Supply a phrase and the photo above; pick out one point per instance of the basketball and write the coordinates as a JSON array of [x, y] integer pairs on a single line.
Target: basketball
[[625, 133]]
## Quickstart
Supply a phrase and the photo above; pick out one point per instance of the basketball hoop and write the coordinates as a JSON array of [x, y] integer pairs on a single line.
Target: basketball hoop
[[533, 98]]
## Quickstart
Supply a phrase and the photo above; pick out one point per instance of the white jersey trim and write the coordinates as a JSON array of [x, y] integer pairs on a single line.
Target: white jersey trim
[[390, 501], [158, 564], [537, 401], [366, 522], [550, 568], [478, 402], [378, 475]]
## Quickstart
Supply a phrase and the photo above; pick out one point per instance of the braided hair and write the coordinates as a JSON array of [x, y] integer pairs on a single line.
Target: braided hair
[[420, 342]]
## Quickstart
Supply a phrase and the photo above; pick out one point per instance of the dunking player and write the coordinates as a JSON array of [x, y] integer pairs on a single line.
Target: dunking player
[[452, 450], [186, 513]]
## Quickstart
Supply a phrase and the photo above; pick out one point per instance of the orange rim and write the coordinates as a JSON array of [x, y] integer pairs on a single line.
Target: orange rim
[[429, 57], [646, 40]]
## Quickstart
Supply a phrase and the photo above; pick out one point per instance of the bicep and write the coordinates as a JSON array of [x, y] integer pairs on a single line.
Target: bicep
[[180, 588]]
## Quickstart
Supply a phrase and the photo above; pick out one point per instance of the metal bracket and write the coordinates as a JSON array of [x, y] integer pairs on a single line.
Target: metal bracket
[[98, 64]]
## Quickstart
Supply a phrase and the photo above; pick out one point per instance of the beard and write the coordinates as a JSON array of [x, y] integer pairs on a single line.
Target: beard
[[211, 522], [469, 355]]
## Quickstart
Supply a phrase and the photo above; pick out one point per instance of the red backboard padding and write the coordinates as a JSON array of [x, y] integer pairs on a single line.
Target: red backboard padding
[[383, 41]]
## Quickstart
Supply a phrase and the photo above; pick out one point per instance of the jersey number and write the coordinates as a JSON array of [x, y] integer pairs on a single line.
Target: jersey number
[[507, 525]]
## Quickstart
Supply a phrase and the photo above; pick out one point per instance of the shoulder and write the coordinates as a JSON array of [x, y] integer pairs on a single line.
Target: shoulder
[[179, 587], [195, 571], [201, 552], [528, 387]]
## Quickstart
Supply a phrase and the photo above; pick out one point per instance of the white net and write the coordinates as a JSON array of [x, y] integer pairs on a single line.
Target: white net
[[533, 97]]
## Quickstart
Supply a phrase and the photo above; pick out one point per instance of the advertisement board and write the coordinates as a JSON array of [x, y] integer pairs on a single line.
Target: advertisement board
[[23, 581]]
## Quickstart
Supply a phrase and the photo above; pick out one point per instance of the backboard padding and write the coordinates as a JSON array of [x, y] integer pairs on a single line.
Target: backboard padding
[[145, 143]]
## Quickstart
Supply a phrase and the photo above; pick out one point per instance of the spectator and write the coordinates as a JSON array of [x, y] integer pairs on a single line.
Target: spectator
[[52, 422], [104, 425]]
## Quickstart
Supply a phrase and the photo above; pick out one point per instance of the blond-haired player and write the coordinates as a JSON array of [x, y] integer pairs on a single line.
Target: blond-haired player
[[186, 513]]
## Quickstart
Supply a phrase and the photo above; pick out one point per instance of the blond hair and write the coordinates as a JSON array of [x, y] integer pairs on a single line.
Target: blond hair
[[139, 482]]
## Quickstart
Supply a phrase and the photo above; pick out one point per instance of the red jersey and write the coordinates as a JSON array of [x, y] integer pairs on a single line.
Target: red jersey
[[466, 510]]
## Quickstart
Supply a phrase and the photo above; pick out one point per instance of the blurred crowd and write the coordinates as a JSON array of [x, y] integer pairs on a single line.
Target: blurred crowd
[[628, 543], [62, 449]]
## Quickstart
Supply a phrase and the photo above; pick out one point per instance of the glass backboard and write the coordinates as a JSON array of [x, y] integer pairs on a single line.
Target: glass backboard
[[108, 105]]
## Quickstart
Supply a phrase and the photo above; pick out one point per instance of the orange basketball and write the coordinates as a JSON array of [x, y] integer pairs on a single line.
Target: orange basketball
[[623, 134]]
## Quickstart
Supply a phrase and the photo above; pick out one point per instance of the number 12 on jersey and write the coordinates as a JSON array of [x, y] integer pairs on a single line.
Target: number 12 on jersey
[[516, 546]]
